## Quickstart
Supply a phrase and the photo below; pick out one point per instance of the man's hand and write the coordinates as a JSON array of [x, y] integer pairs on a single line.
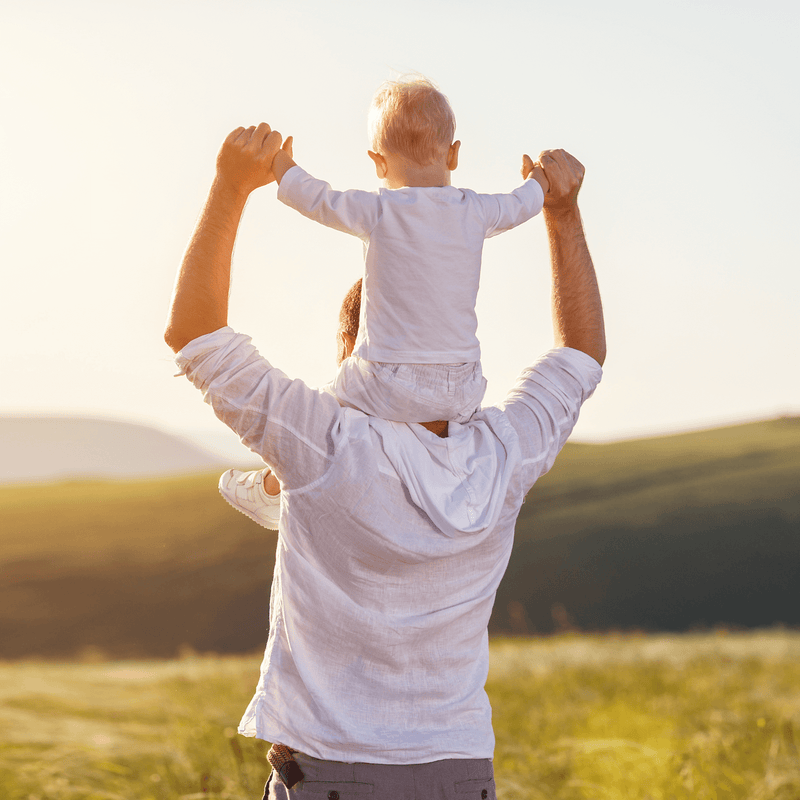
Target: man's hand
[[535, 171], [577, 308], [245, 160], [200, 299], [565, 175]]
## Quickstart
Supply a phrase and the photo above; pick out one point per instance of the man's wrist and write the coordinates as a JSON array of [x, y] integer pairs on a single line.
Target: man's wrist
[[229, 190], [558, 212]]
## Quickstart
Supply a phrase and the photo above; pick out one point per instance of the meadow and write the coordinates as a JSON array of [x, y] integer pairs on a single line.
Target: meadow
[[109, 589], [697, 716]]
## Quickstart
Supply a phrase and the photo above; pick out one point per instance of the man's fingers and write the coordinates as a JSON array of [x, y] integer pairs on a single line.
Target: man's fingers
[[244, 136], [272, 141], [563, 159], [565, 175], [261, 133], [234, 135], [287, 146], [257, 135], [258, 139], [550, 157]]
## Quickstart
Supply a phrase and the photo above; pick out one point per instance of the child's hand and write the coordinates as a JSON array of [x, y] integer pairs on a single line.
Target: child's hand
[[283, 160], [535, 171]]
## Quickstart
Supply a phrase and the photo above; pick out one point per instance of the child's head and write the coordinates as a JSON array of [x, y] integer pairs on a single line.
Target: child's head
[[412, 119]]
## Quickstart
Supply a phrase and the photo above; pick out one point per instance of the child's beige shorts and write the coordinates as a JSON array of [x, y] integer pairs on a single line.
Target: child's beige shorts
[[410, 392]]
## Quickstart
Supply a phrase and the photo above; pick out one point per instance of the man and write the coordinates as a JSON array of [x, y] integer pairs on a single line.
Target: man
[[393, 537]]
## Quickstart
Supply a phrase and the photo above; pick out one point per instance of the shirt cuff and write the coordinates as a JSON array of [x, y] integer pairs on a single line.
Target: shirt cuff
[[581, 366], [538, 191], [582, 360], [200, 346], [291, 176]]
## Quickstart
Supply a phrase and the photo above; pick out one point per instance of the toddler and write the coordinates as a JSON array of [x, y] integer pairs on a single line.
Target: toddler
[[416, 357]]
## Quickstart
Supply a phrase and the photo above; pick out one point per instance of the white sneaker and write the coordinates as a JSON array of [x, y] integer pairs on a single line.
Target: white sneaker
[[245, 492]]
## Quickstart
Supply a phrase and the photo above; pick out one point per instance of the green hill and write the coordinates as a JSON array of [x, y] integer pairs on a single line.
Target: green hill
[[665, 533], [134, 568]]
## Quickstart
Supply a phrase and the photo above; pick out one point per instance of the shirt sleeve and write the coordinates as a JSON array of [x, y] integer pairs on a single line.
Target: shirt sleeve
[[354, 211], [505, 211], [544, 405], [288, 424]]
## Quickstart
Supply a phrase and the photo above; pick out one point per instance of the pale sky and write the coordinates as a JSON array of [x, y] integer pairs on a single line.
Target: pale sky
[[684, 114]]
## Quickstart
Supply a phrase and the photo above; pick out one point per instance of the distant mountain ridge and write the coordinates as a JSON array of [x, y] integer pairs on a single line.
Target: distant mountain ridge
[[51, 448]]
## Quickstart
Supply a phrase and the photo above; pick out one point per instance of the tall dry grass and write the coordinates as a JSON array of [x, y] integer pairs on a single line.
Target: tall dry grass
[[576, 717]]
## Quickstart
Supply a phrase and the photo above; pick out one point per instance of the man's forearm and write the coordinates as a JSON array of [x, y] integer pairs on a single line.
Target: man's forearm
[[200, 299], [577, 309]]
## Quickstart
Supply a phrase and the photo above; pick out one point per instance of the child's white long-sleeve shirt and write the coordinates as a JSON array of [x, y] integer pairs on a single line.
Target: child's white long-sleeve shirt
[[422, 261]]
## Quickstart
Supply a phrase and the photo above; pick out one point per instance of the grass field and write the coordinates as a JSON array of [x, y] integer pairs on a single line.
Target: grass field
[[659, 717]]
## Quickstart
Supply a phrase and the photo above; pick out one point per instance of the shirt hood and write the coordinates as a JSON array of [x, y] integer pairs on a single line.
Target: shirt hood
[[459, 481]]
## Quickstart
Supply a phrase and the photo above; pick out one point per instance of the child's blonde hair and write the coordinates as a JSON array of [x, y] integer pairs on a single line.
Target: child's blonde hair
[[411, 118]]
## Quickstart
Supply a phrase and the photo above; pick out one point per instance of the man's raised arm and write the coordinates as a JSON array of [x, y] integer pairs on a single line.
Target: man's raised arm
[[200, 298], [577, 310]]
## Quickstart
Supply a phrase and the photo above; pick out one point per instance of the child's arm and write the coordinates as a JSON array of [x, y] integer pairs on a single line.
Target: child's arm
[[354, 211], [283, 162], [505, 211]]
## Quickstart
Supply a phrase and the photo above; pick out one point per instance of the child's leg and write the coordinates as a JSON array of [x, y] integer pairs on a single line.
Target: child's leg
[[256, 494]]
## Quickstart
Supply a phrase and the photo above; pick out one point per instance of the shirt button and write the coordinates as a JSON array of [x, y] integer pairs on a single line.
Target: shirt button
[[333, 795], [484, 794]]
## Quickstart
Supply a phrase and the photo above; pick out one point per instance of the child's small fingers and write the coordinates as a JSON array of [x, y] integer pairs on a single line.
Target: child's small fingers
[[527, 165]]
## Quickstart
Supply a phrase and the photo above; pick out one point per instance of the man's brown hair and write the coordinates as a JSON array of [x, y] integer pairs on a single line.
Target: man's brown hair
[[351, 310]]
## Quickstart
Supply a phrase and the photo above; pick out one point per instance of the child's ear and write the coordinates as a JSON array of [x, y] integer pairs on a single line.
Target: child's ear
[[452, 155], [380, 164]]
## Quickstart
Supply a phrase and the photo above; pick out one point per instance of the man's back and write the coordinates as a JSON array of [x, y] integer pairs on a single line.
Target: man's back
[[393, 542]]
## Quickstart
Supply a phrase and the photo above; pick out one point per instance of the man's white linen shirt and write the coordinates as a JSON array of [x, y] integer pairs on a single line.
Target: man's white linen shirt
[[423, 247], [391, 546]]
